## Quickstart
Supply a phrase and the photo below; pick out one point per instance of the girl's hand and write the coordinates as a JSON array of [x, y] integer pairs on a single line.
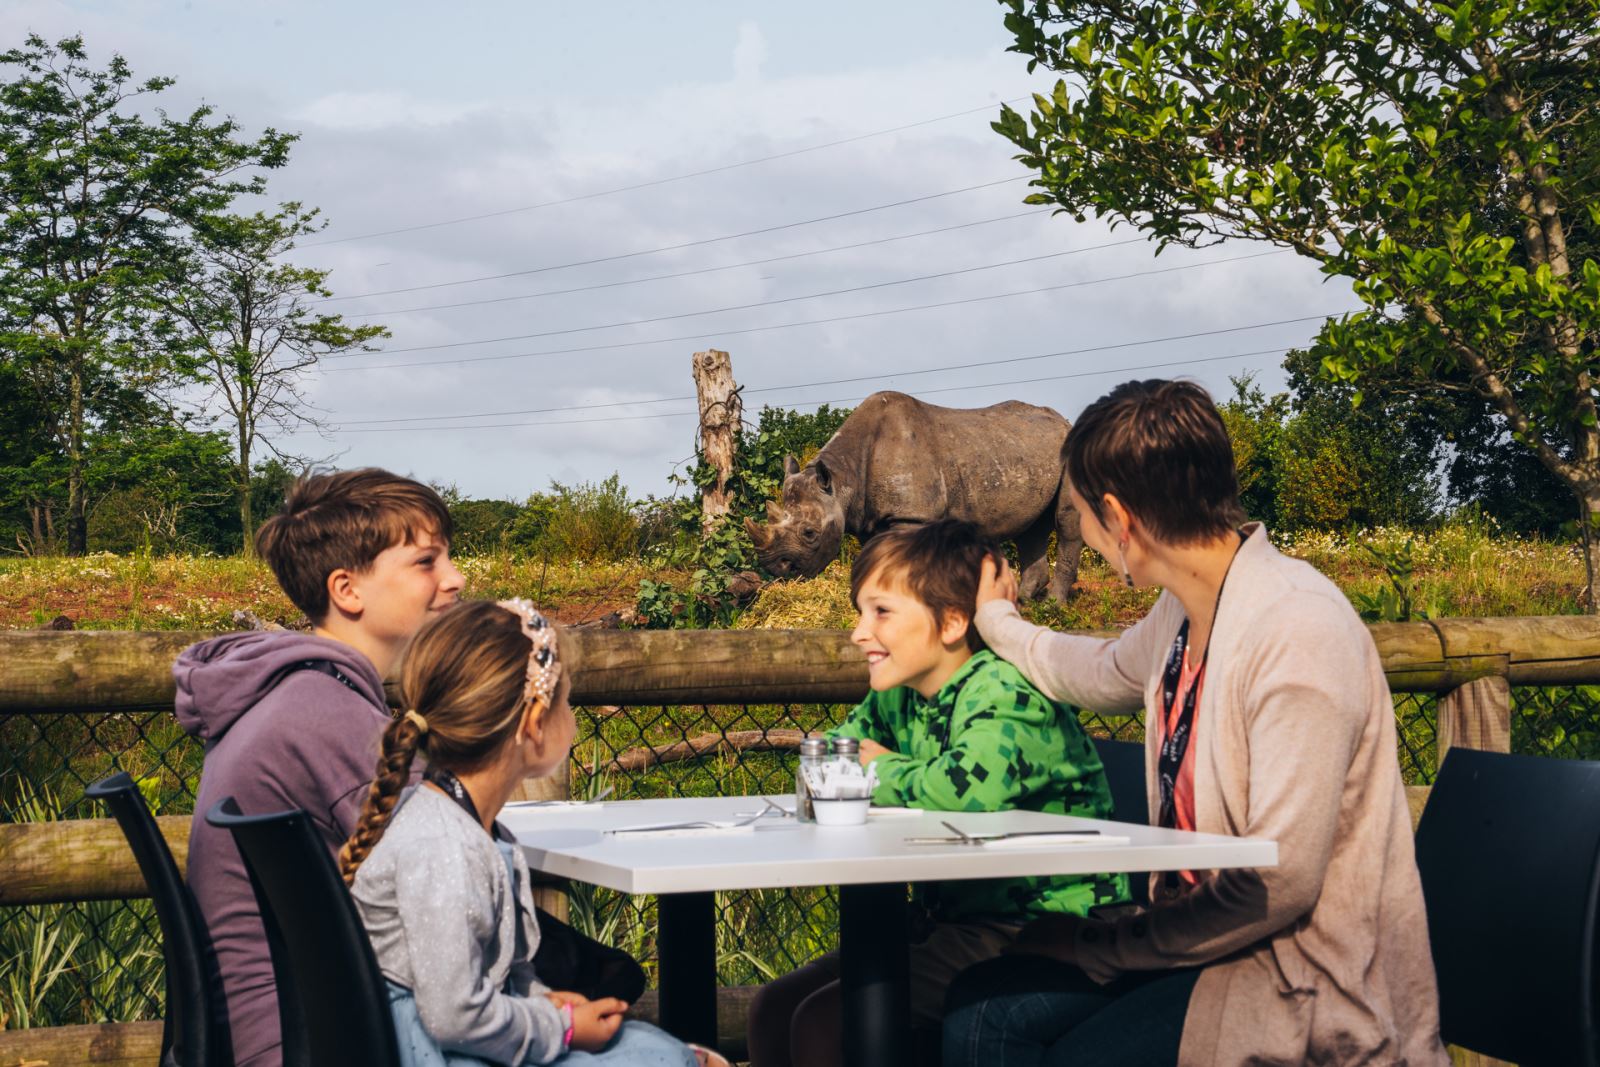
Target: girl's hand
[[560, 997], [595, 1023], [996, 582]]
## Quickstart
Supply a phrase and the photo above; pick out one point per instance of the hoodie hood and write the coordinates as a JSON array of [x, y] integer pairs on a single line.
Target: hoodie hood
[[222, 678]]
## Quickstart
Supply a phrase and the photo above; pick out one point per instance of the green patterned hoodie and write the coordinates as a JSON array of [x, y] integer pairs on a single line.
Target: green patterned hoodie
[[988, 741]]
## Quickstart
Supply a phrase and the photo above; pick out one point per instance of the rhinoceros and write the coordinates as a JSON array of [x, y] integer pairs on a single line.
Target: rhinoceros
[[898, 460]]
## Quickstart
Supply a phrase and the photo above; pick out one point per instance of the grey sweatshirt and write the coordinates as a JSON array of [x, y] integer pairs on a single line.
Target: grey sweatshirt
[[447, 922], [277, 737]]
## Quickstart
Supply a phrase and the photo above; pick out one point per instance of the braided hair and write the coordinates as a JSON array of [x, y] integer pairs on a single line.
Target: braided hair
[[463, 684]]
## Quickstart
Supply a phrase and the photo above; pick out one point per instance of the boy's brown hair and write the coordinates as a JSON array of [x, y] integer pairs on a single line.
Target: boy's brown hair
[[1161, 448], [938, 564], [344, 519]]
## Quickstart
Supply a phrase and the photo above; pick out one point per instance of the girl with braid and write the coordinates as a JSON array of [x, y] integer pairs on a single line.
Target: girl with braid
[[443, 890]]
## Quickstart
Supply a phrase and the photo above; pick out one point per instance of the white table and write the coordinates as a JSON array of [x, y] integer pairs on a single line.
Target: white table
[[871, 864]]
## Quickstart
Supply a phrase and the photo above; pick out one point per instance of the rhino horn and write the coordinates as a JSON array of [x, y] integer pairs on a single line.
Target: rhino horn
[[760, 536]]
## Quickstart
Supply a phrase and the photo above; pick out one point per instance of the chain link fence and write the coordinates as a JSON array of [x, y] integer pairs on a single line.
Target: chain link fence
[[62, 964]]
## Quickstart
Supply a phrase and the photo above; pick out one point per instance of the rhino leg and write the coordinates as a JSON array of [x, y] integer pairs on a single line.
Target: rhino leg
[[1069, 546], [1034, 560]]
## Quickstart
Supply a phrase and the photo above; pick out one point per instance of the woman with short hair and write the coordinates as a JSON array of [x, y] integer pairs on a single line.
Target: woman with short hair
[[1267, 715]]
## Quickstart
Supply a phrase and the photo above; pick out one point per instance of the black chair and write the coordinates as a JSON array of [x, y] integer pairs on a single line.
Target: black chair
[[332, 1001], [1124, 764], [1509, 851], [187, 1035]]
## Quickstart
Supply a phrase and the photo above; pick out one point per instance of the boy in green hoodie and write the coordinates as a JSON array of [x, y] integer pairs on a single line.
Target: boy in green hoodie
[[950, 727]]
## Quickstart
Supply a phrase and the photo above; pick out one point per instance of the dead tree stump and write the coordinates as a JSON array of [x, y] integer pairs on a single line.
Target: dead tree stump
[[721, 413]]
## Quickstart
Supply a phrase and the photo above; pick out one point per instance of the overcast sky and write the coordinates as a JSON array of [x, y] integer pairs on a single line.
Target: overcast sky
[[414, 114]]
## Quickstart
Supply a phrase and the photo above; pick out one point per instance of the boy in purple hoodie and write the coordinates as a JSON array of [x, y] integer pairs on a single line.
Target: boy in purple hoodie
[[292, 720]]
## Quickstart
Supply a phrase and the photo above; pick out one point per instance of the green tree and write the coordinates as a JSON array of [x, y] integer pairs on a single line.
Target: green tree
[[94, 198], [1311, 460], [1439, 157], [161, 486], [244, 320]]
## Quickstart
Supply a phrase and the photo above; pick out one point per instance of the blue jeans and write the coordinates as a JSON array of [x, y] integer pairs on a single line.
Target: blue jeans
[[636, 1044], [1029, 1011]]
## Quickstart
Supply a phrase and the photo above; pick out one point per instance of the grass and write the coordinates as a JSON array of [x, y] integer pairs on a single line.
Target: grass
[[146, 592], [1465, 569]]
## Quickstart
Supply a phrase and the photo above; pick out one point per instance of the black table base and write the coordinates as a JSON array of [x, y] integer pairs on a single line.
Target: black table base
[[686, 941], [875, 970]]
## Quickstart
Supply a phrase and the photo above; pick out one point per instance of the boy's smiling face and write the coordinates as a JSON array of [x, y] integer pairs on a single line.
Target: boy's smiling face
[[404, 587], [903, 642]]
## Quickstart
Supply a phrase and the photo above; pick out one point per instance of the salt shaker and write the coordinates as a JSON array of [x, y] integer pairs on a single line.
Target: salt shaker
[[813, 750], [846, 750]]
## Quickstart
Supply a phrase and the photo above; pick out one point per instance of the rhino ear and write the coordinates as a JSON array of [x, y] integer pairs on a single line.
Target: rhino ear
[[824, 476], [790, 466]]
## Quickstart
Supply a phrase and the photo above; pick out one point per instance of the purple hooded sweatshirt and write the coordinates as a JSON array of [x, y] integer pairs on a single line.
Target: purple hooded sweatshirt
[[277, 735]]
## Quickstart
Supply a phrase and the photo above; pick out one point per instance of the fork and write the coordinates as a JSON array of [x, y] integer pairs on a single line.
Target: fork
[[607, 791], [701, 824]]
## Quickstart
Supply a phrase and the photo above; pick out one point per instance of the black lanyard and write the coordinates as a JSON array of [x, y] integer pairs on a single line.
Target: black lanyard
[[457, 792], [1175, 736]]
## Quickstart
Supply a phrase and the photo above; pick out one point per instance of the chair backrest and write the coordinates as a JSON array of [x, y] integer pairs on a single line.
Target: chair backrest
[[332, 1001], [1509, 851], [1124, 764], [188, 1038]]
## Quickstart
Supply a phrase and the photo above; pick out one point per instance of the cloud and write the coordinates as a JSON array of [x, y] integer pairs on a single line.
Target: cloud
[[749, 54]]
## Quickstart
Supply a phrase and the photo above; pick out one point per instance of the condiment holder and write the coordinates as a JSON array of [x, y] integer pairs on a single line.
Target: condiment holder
[[841, 791]]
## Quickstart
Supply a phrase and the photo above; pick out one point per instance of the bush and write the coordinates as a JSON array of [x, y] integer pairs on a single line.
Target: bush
[[481, 526]]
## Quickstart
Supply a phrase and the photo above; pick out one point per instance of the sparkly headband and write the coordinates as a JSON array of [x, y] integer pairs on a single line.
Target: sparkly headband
[[544, 670]]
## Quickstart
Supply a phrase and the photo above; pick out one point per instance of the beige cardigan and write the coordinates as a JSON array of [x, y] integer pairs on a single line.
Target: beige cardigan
[[1323, 959]]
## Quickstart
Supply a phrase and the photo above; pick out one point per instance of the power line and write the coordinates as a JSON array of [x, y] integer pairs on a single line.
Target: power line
[[725, 266], [656, 181], [863, 378], [776, 301], [676, 247], [814, 296], [837, 400]]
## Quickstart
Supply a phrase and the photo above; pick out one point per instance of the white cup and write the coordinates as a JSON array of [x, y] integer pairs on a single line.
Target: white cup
[[841, 811]]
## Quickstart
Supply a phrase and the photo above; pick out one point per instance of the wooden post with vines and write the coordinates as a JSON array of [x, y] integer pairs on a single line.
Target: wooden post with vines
[[721, 414]]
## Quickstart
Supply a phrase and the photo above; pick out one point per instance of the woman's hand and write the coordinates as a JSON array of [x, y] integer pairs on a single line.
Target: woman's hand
[[996, 582], [560, 997], [595, 1023], [1051, 935]]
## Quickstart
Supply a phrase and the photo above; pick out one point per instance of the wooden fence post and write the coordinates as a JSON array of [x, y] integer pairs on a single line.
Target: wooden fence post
[[558, 786], [721, 413], [1476, 715]]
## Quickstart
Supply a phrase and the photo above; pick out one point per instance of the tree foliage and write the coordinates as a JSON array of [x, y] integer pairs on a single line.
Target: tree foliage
[[1310, 460], [1440, 157], [94, 197], [245, 325]]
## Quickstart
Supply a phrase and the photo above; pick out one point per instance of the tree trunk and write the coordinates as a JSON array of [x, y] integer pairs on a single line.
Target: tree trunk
[[721, 413], [242, 487], [1589, 501], [77, 506]]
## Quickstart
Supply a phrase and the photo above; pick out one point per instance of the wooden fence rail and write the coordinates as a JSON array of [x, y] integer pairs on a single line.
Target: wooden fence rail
[[1470, 663], [45, 671]]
